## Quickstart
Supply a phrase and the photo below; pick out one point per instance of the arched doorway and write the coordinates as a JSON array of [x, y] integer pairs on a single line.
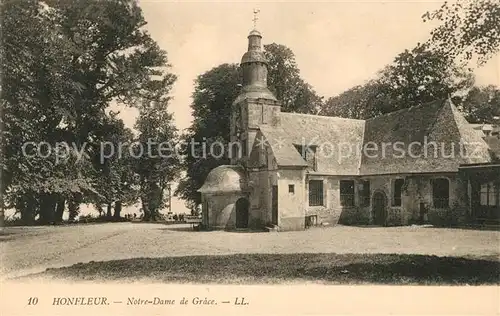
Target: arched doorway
[[379, 208], [242, 213]]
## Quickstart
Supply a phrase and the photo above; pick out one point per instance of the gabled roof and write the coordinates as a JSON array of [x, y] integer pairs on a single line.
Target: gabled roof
[[494, 144], [327, 133], [284, 152], [428, 138], [435, 137], [224, 178]]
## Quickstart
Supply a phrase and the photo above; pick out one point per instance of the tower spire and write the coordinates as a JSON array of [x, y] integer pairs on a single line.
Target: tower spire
[[255, 18], [254, 66]]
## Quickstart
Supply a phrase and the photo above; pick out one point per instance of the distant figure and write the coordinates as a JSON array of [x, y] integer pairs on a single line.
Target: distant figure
[[135, 215]]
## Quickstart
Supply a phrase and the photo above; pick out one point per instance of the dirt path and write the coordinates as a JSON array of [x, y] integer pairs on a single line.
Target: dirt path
[[35, 249]]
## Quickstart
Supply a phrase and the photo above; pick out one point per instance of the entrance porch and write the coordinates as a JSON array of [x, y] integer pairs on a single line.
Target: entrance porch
[[483, 187]]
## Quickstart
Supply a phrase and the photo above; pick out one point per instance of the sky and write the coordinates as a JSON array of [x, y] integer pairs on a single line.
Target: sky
[[337, 44]]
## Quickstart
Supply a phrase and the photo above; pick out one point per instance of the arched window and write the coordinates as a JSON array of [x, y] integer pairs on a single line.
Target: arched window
[[441, 193]]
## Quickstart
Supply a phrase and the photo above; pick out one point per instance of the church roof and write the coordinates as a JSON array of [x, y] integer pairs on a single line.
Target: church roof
[[254, 32], [253, 56], [254, 92], [319, 131], [284, 152], [438, 132], [225, 178], [442, 140]]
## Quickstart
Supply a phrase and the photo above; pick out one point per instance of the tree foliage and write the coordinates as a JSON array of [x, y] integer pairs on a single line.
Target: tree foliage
[[64, 63], [433, 70], [481, 104], [467, 29], [416, 76], [285, 82], [214, 93], [159, 166]]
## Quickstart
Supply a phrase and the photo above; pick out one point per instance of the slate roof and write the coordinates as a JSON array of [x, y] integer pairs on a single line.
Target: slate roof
[[225, 178], [442, 140], [285, 153], [494, 144], [327, 133], [340, 142]]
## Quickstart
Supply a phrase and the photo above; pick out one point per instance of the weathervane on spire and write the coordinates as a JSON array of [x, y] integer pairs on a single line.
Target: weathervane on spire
[[255, 18]]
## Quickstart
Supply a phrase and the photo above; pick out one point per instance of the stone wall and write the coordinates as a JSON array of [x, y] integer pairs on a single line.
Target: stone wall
[[291, 208], [417, 189], [221, 209], [331, 212]]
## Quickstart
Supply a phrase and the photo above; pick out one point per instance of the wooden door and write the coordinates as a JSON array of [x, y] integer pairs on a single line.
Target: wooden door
[[242, 206], [379, 209], [274, 207]]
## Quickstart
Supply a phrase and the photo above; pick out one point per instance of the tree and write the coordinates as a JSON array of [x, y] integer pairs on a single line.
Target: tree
[[285, 82], [420, 76], [357, 102], [416, 76], [64, 62], [159, 164], [433, 70], [36, 93], [214, 93], [468, 29], [114, 167], [481, 104]]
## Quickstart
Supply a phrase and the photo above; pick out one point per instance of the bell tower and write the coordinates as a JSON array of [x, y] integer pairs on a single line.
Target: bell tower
[[255, 105]]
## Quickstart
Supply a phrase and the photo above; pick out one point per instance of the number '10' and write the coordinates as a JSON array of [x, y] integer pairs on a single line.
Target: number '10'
[[33, 301]]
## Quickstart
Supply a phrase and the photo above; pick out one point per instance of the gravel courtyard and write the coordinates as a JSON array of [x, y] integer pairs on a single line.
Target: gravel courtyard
[[31, 250]]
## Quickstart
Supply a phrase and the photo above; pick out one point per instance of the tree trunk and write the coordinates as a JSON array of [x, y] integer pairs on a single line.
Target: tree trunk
[[2, 219], [118, 209], [145, 210], [60, 209], [26, 205], [99, 209], [74, 206], [47, 209], [108, 210]]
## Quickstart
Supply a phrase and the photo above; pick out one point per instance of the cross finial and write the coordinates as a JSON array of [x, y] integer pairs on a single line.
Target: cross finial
[[255, 18]]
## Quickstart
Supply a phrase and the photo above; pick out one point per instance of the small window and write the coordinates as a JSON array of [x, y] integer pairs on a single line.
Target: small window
[[291, 188], [347, 192], [243, 148], [308, 154], [315, 192], [365, 193], [398, 192], [489, 194], [440, 193]]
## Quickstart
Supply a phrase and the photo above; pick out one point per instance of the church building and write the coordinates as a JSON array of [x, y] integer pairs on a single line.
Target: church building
[[424, 164]]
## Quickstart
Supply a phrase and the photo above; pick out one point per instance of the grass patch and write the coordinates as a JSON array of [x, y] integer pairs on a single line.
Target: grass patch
[[282, 268]]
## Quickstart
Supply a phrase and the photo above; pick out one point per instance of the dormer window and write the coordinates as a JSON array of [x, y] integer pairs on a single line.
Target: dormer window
[[244, 148], [308, 153]]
